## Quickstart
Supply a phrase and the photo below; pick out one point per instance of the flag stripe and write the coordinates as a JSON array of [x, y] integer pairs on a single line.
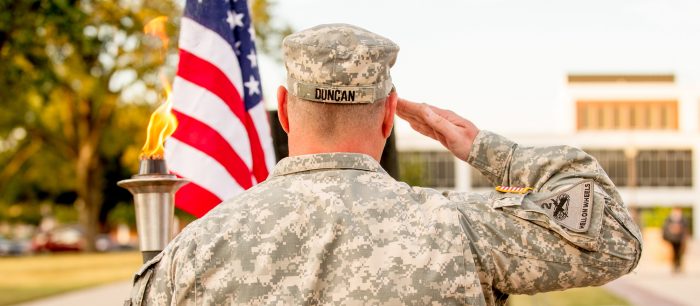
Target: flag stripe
[[259, 165], [230, 20], [194, 199], [207, 140], [189, 162], [210, 77], [212, 15], [202, 105], [223, 144], [204, 74], [262, 125], [204, 43]]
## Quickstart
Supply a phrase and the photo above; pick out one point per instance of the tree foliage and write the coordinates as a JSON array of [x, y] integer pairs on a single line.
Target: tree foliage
[[75, 84], [78, 80], [270, 31]]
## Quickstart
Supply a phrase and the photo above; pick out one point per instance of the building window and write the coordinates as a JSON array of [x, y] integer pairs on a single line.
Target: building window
[[647, 168], [614, 163], [627, 115], [673, 168], [427, 168]]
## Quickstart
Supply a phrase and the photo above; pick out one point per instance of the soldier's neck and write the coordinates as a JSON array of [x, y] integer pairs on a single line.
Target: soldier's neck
[[304, 146]]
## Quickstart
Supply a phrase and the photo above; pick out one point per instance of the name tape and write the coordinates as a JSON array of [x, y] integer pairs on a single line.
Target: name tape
[[344, 94]]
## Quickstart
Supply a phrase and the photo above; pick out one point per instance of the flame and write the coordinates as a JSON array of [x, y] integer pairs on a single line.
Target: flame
[[162, 124], [156, 27]]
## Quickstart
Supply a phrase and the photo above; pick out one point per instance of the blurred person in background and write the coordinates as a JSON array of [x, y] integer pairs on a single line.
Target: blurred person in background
[[675, 231]]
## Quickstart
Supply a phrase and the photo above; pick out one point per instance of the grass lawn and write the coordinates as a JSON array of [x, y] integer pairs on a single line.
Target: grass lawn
[[590, 296], [27, 278], [32, 277]]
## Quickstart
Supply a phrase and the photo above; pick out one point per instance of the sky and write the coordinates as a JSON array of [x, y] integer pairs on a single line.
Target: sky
[[503, 63]]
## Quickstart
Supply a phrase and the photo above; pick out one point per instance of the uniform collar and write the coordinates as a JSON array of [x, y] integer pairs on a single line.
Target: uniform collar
[[319, 161]]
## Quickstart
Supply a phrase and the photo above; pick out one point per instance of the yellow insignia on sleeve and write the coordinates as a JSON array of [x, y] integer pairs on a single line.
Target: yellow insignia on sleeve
[[510, 189]]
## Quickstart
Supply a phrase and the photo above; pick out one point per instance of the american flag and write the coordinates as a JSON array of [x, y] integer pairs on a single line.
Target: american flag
[[222, 143]]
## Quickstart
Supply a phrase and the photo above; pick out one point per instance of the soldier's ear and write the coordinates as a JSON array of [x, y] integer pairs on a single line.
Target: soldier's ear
[[282, 108], [389, 111]]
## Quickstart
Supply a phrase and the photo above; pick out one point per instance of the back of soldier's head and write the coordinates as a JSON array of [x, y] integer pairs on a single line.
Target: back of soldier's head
[[338, 77]]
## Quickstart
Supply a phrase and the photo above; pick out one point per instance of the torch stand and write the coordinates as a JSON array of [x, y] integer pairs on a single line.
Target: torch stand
[[153, 189]]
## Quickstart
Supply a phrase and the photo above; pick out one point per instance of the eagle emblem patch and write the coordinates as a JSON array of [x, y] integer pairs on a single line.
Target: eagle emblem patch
[[572, 207]]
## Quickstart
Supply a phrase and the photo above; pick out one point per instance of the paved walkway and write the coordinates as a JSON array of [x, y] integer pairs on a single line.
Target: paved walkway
[[651, 284], [107, 295]]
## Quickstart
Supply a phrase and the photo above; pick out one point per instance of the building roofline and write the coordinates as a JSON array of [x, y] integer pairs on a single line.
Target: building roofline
[[621, 78]]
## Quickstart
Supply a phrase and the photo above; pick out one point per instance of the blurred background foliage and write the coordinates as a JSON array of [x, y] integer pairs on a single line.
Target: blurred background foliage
[[412, 172], [654, 217], [78, 82]]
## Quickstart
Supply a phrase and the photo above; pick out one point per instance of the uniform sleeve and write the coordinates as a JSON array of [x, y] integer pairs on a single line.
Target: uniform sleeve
[[155, 283], [572, 230], [144, 281]]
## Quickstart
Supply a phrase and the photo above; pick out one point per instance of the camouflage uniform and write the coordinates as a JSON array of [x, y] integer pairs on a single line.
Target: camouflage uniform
[[335, 228], [327, 61]]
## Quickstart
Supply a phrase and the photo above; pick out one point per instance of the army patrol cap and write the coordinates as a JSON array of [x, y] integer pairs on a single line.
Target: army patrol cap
[[339, 63]]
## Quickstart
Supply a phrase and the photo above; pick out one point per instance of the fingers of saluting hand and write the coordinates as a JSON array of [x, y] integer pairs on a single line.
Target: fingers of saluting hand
[[415, 113], [441, 125], [423, 129], [454, 132], [409, 111], [425, 119]]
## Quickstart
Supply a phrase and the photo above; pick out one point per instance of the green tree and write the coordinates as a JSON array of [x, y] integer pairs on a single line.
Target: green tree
[[412, 172], [77, 84], [270, 31], [76, 79]]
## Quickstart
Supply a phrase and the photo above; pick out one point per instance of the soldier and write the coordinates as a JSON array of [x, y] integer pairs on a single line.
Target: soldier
[[329, 226]]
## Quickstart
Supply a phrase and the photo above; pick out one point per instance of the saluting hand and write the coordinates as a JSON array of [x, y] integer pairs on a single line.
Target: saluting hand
[[454, 132]]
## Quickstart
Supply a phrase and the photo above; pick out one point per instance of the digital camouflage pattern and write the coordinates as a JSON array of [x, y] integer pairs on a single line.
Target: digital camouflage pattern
[[339, 63], [336, 229]]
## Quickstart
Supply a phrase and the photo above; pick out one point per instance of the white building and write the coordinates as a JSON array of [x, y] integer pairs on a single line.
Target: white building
[[643, 129]]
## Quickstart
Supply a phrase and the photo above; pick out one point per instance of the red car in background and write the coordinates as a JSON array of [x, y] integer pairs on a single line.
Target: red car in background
[[62, 239]]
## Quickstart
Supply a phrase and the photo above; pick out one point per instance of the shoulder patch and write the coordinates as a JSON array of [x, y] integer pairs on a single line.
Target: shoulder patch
[[148, 265], [142, 280], [510, 189], [572, 207]]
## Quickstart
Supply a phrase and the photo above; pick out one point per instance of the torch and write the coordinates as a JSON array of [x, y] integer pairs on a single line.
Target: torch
[[153, 187]]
